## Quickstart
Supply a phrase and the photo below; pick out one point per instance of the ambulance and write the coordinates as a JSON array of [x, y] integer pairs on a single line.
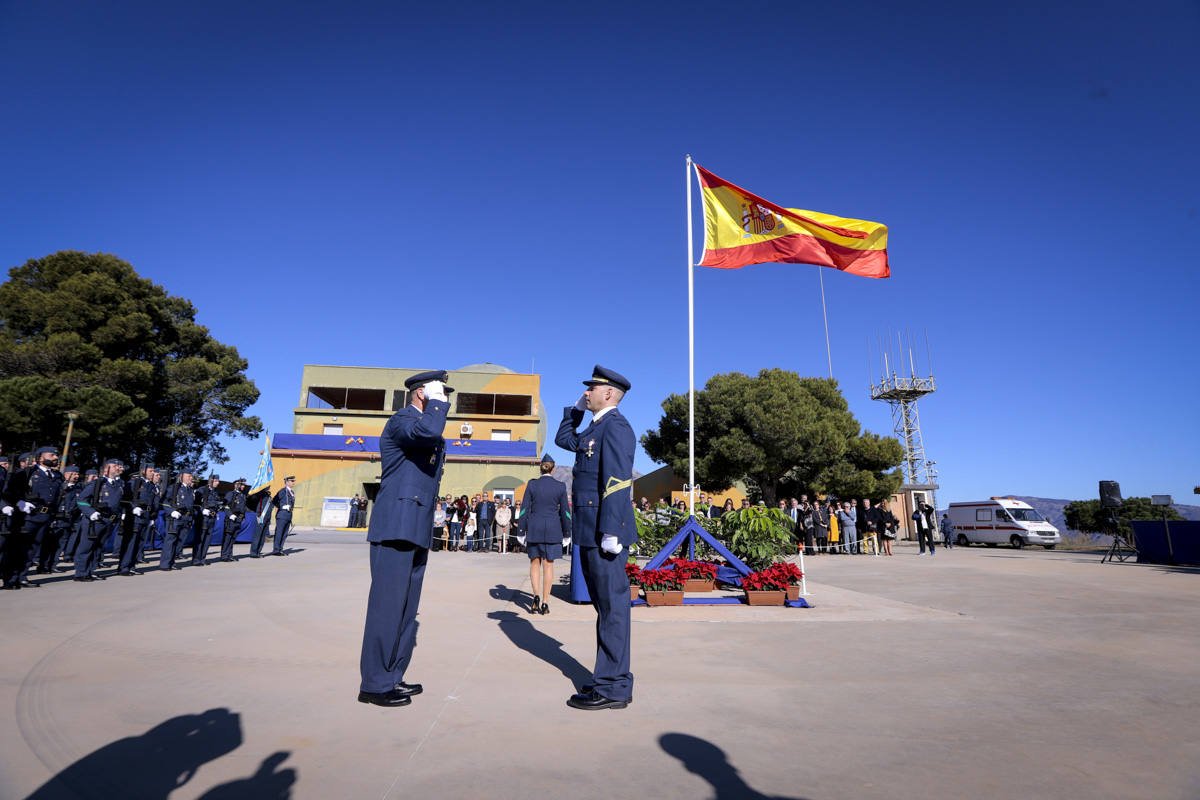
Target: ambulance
[[1001, 520]]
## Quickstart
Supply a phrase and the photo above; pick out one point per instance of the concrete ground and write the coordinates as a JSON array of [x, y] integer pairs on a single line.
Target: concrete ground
[[976, 673]]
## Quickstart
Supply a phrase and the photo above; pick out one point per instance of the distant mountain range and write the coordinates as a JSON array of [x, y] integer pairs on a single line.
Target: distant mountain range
[[1052, 509]]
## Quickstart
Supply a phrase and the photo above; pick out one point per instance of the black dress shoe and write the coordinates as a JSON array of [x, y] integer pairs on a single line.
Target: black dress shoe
[[10, 587], [176, 566], [30, 584], [409, 689], [99, 577], [545, 609], [392, 698], [594, 701], [84, 579]]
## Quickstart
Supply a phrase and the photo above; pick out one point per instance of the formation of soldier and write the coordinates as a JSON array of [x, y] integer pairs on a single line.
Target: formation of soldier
[[51, 517]]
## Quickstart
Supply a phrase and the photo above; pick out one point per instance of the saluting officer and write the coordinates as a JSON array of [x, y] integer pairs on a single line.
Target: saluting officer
[[546, 530], [178, 501], [283, 501], [209, 501], [30, 498], [235, 513], [66, 517], [412, 452], [100, 509], [144, 500], [604, 528]]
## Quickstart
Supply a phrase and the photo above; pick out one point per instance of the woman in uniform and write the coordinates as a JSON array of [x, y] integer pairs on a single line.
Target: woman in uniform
[[546, 525]]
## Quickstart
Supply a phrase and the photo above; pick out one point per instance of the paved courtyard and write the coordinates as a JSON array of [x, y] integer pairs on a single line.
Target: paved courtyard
[[975, 673]]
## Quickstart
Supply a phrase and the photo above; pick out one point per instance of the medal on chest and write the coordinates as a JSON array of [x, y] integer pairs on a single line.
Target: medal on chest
[[590, 448]]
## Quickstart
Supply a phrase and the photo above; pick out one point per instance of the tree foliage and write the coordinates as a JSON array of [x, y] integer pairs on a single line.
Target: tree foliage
[[779, 433], [83, 331], [1088, 516]]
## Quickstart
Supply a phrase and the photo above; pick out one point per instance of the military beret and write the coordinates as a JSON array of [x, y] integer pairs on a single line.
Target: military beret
[[547, 459], [41, 451], [603, 376], [70, 469], [91, 472], [422, 378]]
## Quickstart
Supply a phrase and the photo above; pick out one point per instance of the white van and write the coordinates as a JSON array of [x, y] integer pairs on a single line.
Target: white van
[[1001, 519]]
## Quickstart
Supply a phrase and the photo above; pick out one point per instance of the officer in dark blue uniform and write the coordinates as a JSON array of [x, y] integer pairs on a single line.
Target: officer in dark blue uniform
[[235, 513], [603, 528], [283, 502], [179, 502], [144, 500], [412, 452], [210, 501], [31, 498], [545, 529], [66, 516], [100, 508]]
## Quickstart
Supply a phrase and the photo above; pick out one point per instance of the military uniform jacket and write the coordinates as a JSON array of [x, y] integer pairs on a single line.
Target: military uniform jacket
[[284, 497], [68, 507], [210, 498], [104, 496], [145, 495], [235, 503], [546, 520], [602, 477], [412, 452], [180, 498], [38, 486]]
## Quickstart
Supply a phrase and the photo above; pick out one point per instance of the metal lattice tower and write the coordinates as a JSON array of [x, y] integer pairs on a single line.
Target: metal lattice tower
[[901, 392]]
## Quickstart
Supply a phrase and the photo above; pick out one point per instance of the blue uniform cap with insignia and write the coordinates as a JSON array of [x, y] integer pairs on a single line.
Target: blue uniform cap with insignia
[[603, 376], [25, 456], [41, 451], [422, 378], [116, 461], [547, 459], [186, 471], [70, 469], [289, 478], [214, 477], [240, 480], [91, 472]]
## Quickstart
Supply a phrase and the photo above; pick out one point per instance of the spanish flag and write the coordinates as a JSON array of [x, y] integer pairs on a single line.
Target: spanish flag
[[742, 228]]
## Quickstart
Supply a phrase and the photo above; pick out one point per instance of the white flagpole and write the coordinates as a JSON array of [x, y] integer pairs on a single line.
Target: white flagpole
[[824, 313], [691, 350]]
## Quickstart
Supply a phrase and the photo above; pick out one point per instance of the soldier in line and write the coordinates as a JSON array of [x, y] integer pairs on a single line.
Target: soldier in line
[[30, 499], [235, 513], [100, 509], [283, 501], [144, 501], [66, 517], [210, 502], [179, 501]]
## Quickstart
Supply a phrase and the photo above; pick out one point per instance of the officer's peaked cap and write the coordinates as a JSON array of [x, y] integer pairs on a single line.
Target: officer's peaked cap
[[290, 478], [422, 378], [240, 480], [603, 376]]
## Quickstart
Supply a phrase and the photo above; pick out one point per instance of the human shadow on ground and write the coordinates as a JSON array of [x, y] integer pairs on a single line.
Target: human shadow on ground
[[156, 763], [517, 597], [703, 758], [524, 635]]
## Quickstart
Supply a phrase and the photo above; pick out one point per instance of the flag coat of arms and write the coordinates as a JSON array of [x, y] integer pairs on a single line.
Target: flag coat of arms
[[741, 228]]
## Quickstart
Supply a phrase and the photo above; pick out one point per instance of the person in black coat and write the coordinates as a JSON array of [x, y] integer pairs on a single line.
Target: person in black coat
[[870, 521], [545, 530]]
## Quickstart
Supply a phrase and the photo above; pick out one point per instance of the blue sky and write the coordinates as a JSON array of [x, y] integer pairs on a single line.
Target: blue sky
[[504, 183]]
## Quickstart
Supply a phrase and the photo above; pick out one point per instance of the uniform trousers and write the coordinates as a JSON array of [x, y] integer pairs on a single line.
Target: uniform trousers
[[173, 541], [608, 585], [13, 548], [283, 524], [260, 533], [127, 550], [146, 530], [92, 536], [68, 540], [204, 538], [397, 573], [228, 533], [35, 537]]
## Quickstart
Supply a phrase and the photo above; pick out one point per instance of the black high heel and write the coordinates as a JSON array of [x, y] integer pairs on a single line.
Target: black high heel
[[545, 609]]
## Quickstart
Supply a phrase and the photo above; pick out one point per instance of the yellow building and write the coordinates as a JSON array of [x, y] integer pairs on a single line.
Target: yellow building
[[495, 433]]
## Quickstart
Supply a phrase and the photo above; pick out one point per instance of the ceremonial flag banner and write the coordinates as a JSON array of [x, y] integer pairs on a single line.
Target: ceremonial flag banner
[[741, 228], [266, 468]]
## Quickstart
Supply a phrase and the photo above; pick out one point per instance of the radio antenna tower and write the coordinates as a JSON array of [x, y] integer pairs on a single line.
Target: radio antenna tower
[[901, 392]]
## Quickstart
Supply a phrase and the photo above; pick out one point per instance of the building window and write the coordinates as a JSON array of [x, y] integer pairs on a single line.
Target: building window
[[501, 436], [517, 405], [345, 397], [399, 399], [332, 430]]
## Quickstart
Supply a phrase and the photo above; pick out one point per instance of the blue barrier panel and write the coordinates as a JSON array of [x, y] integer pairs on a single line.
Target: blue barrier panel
[[1150, 538]]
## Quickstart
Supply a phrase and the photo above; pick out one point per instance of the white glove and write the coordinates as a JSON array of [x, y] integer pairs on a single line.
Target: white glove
[[233, 516], [287, 508], [122, 516], [206, 512], [175, 515], [137, 512], [521, 541], [581, 403], [435, 390], [95, 516], [566, 540], [25, 506], [7, 511], [609, 544]]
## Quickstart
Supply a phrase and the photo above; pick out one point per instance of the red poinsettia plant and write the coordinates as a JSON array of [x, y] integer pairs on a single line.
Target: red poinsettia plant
[[790, 573], [661, 580], [765, 580], [701, 570], [634, 573]]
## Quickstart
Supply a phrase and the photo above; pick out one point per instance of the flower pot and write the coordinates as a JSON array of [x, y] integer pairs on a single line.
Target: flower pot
[[793, 593], [633, 592], [765, 597], [670, 597], [699, 585]]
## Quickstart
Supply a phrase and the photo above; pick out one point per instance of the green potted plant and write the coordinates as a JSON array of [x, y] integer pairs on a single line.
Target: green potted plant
[[662, 587]]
